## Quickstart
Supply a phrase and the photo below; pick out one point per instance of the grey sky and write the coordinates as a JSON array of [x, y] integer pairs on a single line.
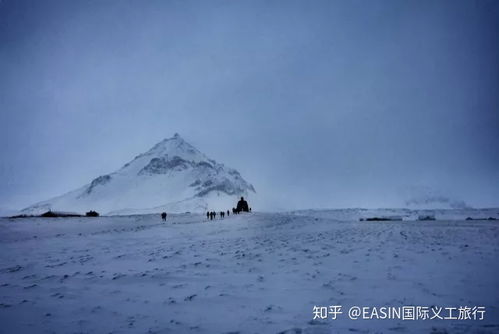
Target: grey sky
[[317, 103]]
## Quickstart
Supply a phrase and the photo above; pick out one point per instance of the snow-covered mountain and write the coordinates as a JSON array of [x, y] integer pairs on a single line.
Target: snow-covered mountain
[[172, 176]]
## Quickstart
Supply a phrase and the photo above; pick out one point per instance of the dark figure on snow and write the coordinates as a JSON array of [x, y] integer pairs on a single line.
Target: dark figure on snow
[[222, 214], [228, 213], [234, 211], [163, 216], [242, 205], [208, 215]]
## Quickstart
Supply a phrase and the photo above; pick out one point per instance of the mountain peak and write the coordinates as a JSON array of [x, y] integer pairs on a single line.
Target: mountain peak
[[176, 137], [176, 146], [173, 175]]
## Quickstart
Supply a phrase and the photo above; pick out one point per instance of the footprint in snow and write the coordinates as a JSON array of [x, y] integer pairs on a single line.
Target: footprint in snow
[[190, 298], [31, 286], [12, 269], [117, 276], [29, 276]]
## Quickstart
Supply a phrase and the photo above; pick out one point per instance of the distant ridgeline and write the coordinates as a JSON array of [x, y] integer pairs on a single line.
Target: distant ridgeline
[[56, 214]]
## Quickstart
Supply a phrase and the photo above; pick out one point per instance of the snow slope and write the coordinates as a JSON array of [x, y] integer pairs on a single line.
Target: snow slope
[[172, 176], [249, 273]]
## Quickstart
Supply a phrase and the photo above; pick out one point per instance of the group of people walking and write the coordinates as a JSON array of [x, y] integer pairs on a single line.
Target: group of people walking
[[242, 206], [212, 214]]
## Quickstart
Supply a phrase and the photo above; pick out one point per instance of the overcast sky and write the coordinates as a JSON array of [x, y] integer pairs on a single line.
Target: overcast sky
[[316, 103]]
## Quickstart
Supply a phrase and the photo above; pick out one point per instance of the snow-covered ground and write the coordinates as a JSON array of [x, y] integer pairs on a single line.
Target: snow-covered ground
[[250, 273]]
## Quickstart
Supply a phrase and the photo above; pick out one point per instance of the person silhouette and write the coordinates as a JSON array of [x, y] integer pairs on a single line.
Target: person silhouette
[[163, 216], [242, 205]]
